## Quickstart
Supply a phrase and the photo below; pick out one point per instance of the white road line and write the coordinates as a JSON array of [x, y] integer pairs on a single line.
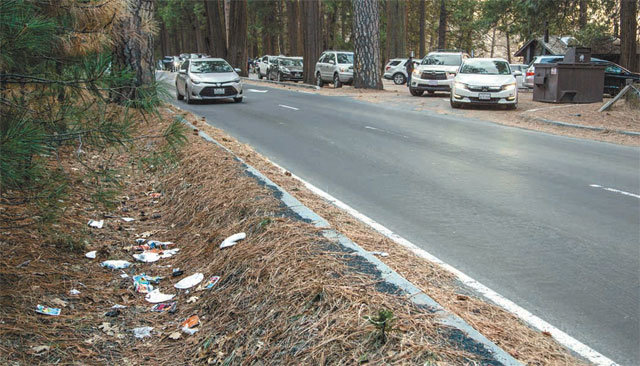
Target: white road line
[[615, 190], [305, 92], [258, 91], [286, 106], [536, 322], [385, 131]]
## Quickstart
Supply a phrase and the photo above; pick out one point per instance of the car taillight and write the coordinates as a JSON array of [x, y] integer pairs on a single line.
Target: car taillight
[[529, 73], [388, 67]]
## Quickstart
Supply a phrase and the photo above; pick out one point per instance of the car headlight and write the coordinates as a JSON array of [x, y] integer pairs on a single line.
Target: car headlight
[[195, 81], [459, 85], [416, 73], [451, 75], [235, 80], [509, 86]]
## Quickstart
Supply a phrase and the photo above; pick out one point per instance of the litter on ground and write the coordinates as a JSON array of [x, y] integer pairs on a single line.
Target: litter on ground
[[156, 296], [40, 350], [142, 332], [382, 254], [127, 219], [47, 310], [112, 313], [213, 280], [190, 281], [142, 283], [91, 254], [165, 306], [118, 306], [115, 264], [96, 224], [232, 240], [73, 291], [175, 335], [147, 257], [192, 299], [177, 272], [155, 195], [189, 325]]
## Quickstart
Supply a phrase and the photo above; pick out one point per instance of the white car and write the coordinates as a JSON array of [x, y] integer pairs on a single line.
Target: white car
[[208, 78], [531, 70], [520, 78], [264, 66], [485, 81], [396, 70], [436, 72]]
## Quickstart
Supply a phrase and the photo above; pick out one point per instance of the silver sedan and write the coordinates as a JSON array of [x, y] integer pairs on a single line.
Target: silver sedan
[[207, 79]]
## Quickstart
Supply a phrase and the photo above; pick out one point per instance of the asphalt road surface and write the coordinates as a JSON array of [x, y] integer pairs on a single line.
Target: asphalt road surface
[[552, 223]]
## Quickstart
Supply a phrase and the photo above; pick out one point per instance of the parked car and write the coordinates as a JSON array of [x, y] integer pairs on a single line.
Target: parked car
[[528, 77], [520, 78], [170, 63], [396, 70], [334, 67], [436, 72], [485, 81], [208, 78], [265, 66], [286, 68]]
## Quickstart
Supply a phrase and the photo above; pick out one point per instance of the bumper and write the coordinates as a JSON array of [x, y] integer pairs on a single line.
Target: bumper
[[208, 91], [345, 77], [495, 98], [528, 82], [431, 85], [297, 77], [387, 76]]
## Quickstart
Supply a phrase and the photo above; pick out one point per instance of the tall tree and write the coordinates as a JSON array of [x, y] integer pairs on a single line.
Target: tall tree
[[238, 35], [582, 18], [442, 26], [366, 39], [628, 34], [293, 27], [396, 28], [422, 30], [216, 28], [312, 37], [133, 48]]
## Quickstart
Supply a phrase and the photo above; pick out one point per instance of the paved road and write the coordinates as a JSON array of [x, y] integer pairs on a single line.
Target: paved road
[[512, 208]]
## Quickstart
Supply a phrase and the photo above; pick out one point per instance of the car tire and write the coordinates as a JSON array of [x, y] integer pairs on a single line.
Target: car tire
[[512, 106], [178, 95], [319, 81], [187, 96], [454, 105], [259, 75], [399, 78], [237, 100], [431, 92], [336, 81], [415, 92]]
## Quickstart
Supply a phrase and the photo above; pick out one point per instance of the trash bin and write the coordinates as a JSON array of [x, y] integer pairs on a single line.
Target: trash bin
[[574, 80]]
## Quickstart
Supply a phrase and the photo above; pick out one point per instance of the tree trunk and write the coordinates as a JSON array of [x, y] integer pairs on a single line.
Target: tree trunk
[[216, 28], [238, 35], [508, 47], [396, 29], [366, 40], [421, 51], [442, 27], [493, 41], [133, 49], [164, 39], [293, 27], [312, 37], [582, 18], [628, 34]]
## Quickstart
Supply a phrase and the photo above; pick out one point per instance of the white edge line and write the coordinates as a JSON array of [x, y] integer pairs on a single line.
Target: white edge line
[[615, 190], [289, 107], [536, 322]]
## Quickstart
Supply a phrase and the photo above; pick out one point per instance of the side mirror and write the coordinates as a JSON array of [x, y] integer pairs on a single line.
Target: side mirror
[[237, 70], [182, 71], [517, 73], [332, 62]]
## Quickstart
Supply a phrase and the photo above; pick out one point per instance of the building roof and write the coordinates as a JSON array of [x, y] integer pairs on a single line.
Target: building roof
[[555, 46]]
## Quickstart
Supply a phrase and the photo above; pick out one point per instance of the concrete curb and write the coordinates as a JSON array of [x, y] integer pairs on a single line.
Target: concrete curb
[[299, 85], [416, 296], [573, 125]]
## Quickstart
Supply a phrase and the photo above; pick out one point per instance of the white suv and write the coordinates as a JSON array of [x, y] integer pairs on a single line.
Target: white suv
[[436, 72], [334, 67], [396, 70], [264, 65]]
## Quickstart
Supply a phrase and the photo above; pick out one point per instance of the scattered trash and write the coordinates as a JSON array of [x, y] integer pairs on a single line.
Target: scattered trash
[[59, 302], [140, 240], [190, 281], [232, 240], [175, 335], [96, 224], [155, 195], [124, 275], [169, 253], [177, 272], [146, 234], [142, 283], [189, 325], [116, 264], [213, 280], [382, 254], [142, 332], [40, 350], [112, 313], [24, 264], [127, 219], [47, 310], [462, 297], [91, 254], [192, 299], [73, 291], [156, 216], [156, 296], [154, 244], [118, 306], [165, 306], [147, 257]]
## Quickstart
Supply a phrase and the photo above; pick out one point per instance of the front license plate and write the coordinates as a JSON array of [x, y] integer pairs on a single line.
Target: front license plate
[[432, 83], [484, 96], [218, 91]]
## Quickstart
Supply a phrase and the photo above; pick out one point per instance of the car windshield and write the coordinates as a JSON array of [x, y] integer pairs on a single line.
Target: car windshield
[[203, 67], [345, 58], [446, 60], [487, 67], [290, 62]]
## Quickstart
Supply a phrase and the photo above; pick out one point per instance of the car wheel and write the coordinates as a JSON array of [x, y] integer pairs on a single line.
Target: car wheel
[[336, 81], [259, 75], [399, 79], [512, 106], [187, 96], [237, 100], [455, 105], [431, 92], [415, 92], [279, 77], [178, 95], [319, 81]]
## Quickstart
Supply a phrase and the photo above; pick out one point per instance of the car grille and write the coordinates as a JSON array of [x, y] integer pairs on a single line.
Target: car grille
[[210, 92], [431, 75], [478, 100], [476, 88]]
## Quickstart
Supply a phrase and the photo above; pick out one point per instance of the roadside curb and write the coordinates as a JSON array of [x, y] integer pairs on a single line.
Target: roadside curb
[[414, 294], [299, 85], [573, 125]]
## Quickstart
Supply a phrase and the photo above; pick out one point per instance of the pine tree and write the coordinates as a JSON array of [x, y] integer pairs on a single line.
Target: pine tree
[[366, 34]]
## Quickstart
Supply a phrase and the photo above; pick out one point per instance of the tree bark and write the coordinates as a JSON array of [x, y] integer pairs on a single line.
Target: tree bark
[[216, 28], [312, 37], [493, 41], [293, 27], [396, 29], [582, 18], [366, 39], [508, 47], [422, 30], [133, 49], [628, 34], [442, 27], [238, 35]]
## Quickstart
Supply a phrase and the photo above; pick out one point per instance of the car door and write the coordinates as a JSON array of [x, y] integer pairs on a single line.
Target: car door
[[263, 65], [319, 64], [329, 65], [182, 77]]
